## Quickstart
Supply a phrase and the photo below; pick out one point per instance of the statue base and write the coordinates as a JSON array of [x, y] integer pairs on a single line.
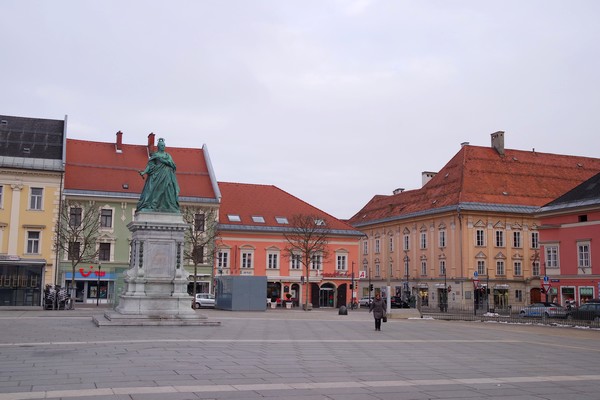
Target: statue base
[[155, 290]]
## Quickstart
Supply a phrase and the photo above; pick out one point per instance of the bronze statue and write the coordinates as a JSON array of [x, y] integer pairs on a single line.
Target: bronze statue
[[161, 191]]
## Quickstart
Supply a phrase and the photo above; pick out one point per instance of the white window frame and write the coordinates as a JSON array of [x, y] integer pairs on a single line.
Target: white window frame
[[342, 262], [535, 240], [423, 267], [36, 201], [479, 237], [377, 246], [442, 267], [481, 268], [112, 218], [583, 254], [365, 247], [296, 262], [1, 196], [223, 259], [272, 260], [552, 256], [535, 268], [499, 238], [33, 245], [442, 238], [110, 251], [391, 244], [423, 241], [377, 269], [517, 240], [517, 268], [316, 262], [247, 259], [500, 268]]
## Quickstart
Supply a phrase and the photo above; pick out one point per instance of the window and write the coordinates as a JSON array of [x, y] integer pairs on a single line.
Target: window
[[499, 238], [552, 256], [583, 254], [535, 268], [35, 201], [319, 222], [199, 221], [517, 239], [247, 259], [258, 219], [106, 218], [281, 220], [406, 267], [342, 262], [391, 244], [518, 268], [423, 240], [316, 261], [377, 270], [74, 249], [223, 259], [75, 217], [33, 242], [442, 239], [481, 270], [234, 218], [198, 254], [518, 295], [272, 260], [104, 252], [500, 268], [1, 195], [365, 247], [406, 242], [480, 237], [535, 240], [377, 246], [423, 267], [295, 261], [442, 267]]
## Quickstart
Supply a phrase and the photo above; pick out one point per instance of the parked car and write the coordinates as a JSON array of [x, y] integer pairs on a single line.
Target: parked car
[[205, 300], [588, 312], [365, 301], [544, 309], [397, 302]]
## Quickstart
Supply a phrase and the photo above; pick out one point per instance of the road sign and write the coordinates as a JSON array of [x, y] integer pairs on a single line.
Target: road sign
[[476, 283], [475, 274], [545, 279], [546, 287]]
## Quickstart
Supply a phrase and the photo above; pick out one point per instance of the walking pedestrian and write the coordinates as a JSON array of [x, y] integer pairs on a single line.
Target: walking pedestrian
[[378, 308]]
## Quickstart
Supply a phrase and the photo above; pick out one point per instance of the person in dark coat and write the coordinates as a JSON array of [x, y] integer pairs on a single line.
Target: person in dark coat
[[378, 307]]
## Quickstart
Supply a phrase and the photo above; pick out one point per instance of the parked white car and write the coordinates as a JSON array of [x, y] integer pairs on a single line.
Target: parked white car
[[204, 300]]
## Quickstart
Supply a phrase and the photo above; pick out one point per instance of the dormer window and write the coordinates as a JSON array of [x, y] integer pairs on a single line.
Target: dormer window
[[234, 218], [319, 222], [258, 219], [281, 220]]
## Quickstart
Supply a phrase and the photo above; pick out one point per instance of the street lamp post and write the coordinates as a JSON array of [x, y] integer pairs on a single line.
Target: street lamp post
[[352, 288], [445, 291], [406, 284], [98, 285]]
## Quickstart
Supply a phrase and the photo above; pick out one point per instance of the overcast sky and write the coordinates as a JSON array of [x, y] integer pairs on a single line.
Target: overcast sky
[[332, 101]]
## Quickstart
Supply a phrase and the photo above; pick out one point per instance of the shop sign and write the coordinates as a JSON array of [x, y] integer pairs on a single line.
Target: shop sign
[[337, 274]]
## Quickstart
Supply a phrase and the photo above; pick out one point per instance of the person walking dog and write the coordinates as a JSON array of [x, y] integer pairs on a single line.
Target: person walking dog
[[378, 307]]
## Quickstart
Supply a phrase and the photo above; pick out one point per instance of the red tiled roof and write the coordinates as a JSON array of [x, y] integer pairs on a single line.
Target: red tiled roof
[[97, 166], [481, 175], [267, 201]]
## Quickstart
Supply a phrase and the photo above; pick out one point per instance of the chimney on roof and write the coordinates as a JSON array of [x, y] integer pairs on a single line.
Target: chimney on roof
[[498, 142], [151, 142], [426, 176], [119, 142], [463, 144]]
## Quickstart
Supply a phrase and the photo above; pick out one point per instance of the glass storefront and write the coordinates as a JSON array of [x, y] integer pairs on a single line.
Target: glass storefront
[[21, 285]]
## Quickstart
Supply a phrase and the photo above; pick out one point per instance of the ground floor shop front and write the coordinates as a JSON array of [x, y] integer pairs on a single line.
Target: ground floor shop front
[[320, 294], [21, 282]]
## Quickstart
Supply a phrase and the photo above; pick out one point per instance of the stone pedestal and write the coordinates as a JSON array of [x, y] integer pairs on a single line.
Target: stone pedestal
[[155, 290]]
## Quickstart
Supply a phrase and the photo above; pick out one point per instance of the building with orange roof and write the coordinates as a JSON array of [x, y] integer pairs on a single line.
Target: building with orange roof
[[107, 174], [468, 236], [253, 220], [570, 244], [31, 172]]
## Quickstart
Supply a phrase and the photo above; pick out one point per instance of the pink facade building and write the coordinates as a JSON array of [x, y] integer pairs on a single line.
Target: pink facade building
[[570, 241]]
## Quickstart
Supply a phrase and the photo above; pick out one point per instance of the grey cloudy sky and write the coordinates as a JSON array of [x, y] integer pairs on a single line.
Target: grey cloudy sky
[[333, 101]]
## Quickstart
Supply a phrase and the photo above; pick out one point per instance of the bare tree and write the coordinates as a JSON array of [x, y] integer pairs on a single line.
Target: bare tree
[[77, 230], [200, 239], [307, 240]]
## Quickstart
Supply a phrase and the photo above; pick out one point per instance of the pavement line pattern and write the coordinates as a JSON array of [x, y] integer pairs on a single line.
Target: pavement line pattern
[[52, 394], [133, 341]]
